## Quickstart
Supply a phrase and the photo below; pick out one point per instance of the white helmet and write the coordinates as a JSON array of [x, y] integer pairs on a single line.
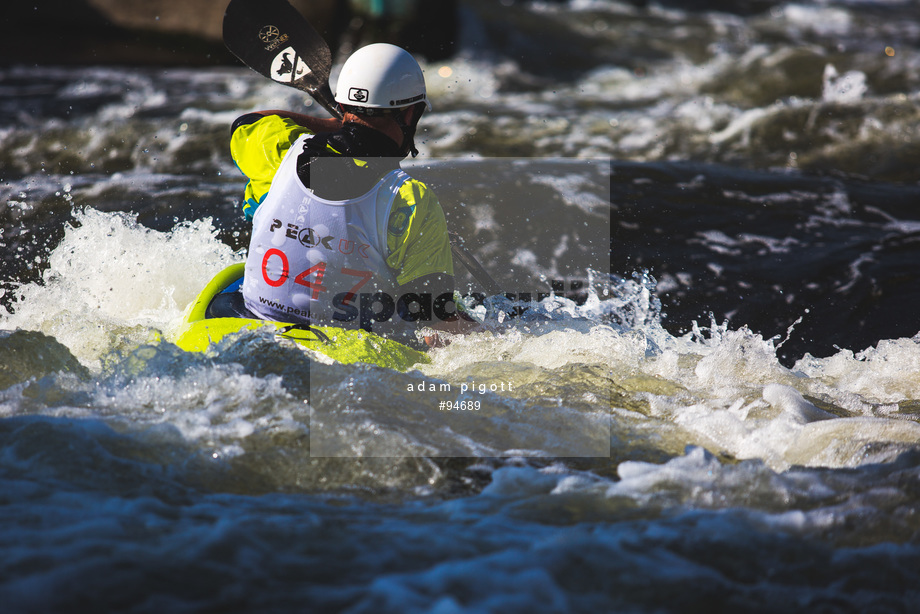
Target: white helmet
[[381, 76]]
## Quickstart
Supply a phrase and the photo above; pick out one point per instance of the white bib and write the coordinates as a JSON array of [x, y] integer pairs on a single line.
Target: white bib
[[310, 258]]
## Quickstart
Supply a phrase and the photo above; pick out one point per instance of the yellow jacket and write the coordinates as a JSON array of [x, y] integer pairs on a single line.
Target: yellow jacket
[[417, 236]]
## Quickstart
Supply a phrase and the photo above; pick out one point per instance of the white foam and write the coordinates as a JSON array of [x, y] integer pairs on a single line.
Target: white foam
[[112, 283], [218, 408], [886, 373], [826, 21], [735, 398], [851, 86], [111, 278]]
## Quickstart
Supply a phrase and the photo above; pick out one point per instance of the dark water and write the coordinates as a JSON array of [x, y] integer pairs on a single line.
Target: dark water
[[725, 418], [767, 249]]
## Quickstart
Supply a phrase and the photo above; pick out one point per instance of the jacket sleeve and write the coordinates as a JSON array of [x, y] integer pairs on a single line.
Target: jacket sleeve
[[257, 146], [417, 235]]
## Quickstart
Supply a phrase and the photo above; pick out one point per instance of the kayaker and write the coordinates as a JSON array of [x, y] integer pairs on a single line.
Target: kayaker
[[338, 228]]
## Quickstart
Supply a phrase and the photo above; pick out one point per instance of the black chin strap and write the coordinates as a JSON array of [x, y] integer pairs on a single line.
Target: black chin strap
[[408, 133]]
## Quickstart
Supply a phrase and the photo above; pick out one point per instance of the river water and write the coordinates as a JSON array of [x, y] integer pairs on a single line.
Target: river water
[[716, 411]]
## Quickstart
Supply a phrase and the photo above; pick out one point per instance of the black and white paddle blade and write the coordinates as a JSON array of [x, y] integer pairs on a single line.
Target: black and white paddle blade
[[273, 38]]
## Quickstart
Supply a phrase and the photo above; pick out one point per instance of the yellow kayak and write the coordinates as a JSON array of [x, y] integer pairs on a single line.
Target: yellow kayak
[[199, 331]]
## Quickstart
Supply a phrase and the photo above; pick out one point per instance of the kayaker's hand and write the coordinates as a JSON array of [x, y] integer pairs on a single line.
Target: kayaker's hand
[[434, 340]]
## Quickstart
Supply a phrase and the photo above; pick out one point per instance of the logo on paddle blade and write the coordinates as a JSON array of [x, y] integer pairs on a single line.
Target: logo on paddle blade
[[268, 34], [288, 66]]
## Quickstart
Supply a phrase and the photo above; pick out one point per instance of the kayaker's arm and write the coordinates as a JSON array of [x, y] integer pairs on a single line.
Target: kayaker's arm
[[313, 124], [258, 143]]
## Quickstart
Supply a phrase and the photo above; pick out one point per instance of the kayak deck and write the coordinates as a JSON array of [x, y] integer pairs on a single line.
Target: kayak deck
[[198, 332]]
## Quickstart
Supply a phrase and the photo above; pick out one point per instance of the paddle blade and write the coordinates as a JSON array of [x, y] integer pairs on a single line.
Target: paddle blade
[[275, 40]]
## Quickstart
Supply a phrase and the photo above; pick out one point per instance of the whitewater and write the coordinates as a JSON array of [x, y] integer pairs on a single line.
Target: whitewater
[[718, 410]]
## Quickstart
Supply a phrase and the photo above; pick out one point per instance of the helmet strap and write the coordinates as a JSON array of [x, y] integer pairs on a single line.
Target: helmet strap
[[409, 131], [408, 135]]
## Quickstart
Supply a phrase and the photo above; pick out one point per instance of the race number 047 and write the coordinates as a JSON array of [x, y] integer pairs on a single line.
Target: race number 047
[[319, 270]]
